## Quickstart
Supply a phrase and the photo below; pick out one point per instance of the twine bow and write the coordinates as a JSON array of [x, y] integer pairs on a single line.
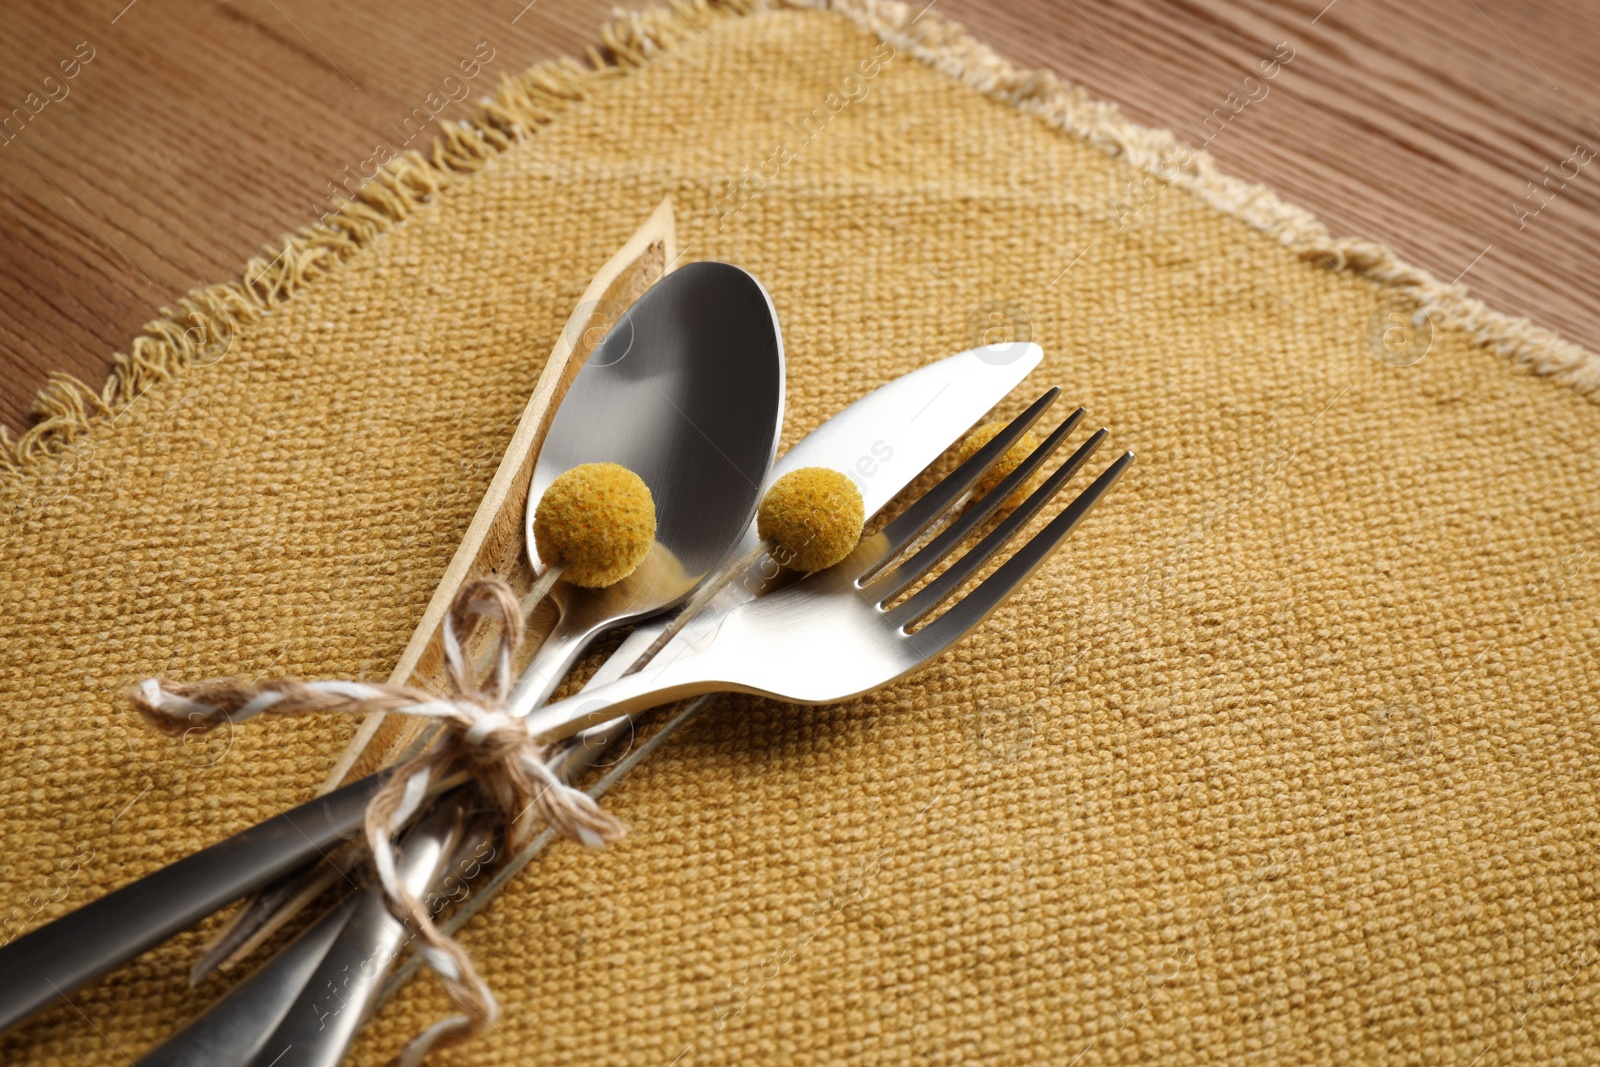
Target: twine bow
[[494, 748]]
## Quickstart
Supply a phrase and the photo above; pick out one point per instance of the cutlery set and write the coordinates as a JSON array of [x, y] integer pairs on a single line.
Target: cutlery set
[[685, 390]]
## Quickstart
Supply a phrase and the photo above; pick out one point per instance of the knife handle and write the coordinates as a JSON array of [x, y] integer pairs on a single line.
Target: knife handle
[[47, 964]]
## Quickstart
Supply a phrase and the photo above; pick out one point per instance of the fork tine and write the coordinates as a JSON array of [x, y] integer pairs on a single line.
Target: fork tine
[[895, 581], [934, 593], [911, 523], [977, 605]]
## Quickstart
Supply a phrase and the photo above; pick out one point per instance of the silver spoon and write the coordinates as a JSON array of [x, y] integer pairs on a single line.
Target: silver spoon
[[686, 390]]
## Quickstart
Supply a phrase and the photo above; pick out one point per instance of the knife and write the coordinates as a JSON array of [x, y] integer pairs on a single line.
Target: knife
[[864, 440], [882, 440]]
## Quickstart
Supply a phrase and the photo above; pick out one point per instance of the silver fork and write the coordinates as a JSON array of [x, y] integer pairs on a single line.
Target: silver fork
[[839, 609], [834, 635], [315, 963]]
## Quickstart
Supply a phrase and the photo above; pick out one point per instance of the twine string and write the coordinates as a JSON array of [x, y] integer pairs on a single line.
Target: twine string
[[479, 737]]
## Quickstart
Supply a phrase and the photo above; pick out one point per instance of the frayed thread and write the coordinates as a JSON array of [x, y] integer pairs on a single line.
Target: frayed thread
[[205, 322], [494, 749], [947, 47]]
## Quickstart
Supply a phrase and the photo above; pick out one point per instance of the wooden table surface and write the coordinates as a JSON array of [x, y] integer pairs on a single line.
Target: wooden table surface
[[191, 133]]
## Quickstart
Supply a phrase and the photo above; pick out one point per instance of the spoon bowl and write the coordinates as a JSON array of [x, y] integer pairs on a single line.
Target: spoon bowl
[[686, 391]]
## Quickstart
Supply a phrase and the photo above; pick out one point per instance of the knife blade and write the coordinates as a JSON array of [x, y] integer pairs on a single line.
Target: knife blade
[[882, 440], [937, 403]]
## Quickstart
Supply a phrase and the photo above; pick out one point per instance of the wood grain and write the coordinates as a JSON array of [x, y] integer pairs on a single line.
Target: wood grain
[[199, 131]]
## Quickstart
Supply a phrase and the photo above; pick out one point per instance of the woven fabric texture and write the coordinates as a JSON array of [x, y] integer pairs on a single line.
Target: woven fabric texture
[[1289, 756]]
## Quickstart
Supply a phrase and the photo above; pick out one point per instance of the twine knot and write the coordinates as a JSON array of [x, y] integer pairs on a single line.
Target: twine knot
[[495, 749]]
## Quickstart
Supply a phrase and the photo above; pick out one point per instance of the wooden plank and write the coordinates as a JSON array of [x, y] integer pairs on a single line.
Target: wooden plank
[[494, 542], [1415, 124], [200, 131]]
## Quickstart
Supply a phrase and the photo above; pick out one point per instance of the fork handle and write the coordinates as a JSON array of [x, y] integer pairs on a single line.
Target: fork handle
[[47, 964], [344, 989], [650, 688], [236, 1027]]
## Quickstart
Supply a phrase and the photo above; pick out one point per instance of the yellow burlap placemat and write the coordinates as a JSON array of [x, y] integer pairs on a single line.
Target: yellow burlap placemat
[[1289, 756]]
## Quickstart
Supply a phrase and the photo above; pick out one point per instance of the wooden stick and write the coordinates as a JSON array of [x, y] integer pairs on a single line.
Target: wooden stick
[[494, 541]]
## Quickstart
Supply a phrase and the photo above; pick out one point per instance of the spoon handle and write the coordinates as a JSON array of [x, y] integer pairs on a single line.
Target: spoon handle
[[337, 999], [555, 657], [371, 940], [236, 1027]]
